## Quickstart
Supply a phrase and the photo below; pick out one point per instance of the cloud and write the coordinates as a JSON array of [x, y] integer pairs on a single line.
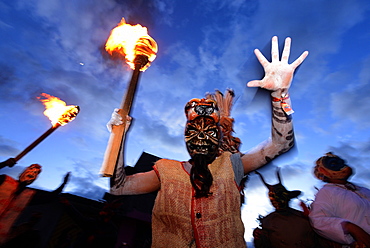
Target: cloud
[[353, 101], [8, 147], [85, 182], [83, 186], [357, 156]]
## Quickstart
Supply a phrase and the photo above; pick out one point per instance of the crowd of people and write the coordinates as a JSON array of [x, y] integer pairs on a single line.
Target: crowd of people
[[198, 201]]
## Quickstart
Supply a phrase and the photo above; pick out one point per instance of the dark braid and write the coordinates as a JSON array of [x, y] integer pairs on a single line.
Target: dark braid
[[200, 176]]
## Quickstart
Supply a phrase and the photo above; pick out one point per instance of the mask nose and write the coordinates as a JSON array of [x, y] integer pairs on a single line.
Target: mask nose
[[201, 136]]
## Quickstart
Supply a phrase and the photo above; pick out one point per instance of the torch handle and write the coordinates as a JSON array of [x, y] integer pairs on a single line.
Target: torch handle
[[129, 97], [117, 136], [36, 142]]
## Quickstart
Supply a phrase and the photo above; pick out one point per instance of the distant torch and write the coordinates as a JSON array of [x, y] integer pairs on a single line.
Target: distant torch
[[59, 115], [138, 49]]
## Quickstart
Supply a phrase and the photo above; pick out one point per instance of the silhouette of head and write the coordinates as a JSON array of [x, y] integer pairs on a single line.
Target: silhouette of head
[[278, 194]]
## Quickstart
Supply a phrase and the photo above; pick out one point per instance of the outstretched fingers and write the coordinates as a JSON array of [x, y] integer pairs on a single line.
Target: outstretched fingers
[[286, 51], [264, 62], [299, 61], [274, 49], [254, 83]]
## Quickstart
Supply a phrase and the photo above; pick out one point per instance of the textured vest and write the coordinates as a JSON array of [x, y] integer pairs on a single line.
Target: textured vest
[[181, 220], [11, 205]]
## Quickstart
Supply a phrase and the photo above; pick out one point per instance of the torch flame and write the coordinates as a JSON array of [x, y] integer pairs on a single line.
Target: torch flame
[[57, 111], [130, 41]]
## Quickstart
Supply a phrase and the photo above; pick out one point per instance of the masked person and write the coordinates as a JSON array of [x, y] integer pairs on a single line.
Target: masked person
[[198, 202], [285, 227], [15, 196], [341, 210]]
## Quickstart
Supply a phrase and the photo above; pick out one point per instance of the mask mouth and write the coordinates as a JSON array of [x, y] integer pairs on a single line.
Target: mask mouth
[[200, 149]]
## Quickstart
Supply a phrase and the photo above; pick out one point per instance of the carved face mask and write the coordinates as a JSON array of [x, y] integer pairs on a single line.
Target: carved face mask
[[202, 136], [202, 131]]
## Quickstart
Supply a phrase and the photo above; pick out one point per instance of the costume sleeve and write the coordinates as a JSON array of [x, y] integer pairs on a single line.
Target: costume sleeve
[[237, 167], [324, 220], [281, 140], [139, 183]]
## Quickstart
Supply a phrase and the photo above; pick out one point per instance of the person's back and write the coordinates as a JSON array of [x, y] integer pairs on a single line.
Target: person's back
[[288, 228]]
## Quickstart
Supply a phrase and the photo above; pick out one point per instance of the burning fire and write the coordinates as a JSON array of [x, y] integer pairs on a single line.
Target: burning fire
[[130, 41], [57, 111]]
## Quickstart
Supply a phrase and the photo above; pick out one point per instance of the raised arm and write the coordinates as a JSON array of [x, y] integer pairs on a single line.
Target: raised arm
[[277, 79], [139, 183], [61, 187]]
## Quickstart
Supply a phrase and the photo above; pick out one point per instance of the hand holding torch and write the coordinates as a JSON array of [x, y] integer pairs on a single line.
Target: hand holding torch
[[139, 49]]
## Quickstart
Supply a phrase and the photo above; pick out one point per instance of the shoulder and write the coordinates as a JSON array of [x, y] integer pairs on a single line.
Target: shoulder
[[323, 194], [329, 188], [273, 218], [4, 178], [363, 189], [226, 155], [222, 162], [165, 163], [330, 193]]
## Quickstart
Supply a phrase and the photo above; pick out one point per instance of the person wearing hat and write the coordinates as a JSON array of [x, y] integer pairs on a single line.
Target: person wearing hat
[[341, 209], [198, 202], [285, 227]]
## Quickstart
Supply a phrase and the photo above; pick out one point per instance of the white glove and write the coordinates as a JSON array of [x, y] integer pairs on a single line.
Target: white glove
[[116, 120]]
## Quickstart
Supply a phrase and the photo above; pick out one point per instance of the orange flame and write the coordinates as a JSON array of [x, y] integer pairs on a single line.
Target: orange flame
[[130, 41], [57, 111]]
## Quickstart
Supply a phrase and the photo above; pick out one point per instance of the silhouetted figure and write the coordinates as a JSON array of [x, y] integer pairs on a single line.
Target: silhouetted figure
[[285, 227], [15, 196], [25, 234]]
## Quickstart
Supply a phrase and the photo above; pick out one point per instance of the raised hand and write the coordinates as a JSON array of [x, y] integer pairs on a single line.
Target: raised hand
[[66, 177], [278, 73], [116, 120]]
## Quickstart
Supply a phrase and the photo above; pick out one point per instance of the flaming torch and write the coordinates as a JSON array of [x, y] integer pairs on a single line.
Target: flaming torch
[[138, 49], [59, 115]]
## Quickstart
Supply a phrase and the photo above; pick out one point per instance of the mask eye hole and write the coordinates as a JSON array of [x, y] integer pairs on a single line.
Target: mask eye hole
[[209, 110], [200, 110], [212, 133]]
